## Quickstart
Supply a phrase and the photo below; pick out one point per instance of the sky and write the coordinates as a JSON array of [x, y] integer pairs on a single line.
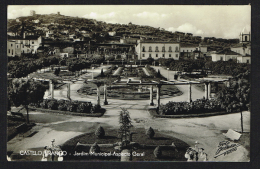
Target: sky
[[220, 21]]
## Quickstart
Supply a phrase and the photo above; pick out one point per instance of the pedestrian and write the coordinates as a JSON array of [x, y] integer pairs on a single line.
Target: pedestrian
[[202, 155], [191, 155], [45, 154]]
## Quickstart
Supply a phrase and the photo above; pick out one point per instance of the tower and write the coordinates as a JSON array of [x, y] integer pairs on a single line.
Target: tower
[[32, 12], [245, 36]]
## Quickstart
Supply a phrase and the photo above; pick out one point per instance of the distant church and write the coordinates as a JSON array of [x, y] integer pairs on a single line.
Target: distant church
[[245, 36]]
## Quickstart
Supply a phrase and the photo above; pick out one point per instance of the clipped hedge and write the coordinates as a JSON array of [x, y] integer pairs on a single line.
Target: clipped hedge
[[67, 105]]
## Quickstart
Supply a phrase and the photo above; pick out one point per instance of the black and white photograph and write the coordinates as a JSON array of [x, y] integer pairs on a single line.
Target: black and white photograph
[[128, 83]]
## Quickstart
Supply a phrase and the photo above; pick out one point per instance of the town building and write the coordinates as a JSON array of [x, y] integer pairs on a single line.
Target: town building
[[157, 49], [244, 59], [16, 46], [224, 55]]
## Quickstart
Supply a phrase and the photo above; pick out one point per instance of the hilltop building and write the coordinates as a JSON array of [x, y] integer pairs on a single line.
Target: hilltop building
[[32, 12]]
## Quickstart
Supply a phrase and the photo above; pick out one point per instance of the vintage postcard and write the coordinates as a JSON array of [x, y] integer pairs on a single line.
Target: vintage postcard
[[166, 83]]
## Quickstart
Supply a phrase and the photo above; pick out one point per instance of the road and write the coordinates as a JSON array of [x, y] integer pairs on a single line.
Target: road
[[207, 130]]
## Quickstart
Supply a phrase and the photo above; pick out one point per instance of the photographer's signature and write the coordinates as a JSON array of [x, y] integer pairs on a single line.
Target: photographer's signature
[[225, 147]]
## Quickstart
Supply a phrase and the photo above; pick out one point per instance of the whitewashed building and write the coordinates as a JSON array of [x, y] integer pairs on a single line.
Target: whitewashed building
[[157, 49]]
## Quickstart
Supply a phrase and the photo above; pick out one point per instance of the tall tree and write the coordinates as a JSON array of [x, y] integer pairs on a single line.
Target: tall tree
[[23, 92]]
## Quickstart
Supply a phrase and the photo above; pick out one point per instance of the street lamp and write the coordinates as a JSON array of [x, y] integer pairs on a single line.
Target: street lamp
[[168, 74]]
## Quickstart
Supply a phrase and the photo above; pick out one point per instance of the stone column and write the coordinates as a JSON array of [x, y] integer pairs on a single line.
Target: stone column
[[158, 94], [50, 87], [151, 96], [98, 95], [68, 91], [209, 90], [189, 93], [105, 95], [206, 90]]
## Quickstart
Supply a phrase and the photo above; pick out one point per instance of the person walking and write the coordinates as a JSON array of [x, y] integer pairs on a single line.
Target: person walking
[[202, 155]]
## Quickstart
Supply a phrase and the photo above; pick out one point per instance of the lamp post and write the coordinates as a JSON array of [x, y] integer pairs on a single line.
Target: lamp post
[[168, 74]]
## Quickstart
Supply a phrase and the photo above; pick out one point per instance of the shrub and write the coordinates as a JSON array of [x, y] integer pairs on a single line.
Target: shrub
[[72, 107], [157, 152], [84, 107], [100, 132], [44, 104], [95, 109], [150, 132], [53, 105]]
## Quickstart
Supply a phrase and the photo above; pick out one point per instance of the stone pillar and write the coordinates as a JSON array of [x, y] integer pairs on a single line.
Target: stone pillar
[[209, 90], [151, 96], [98, 96], [158, 94], [51, 89], [68, 91], [105, 95], [189, 93], [206, 90]]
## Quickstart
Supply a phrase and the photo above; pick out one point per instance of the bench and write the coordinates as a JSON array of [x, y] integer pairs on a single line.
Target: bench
[[233, 135]]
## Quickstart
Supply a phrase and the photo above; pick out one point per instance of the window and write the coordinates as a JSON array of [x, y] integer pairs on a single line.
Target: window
[[163, 55], [163, 49], [247, 61], [17, 46], [221, 58], [156, 55], [246, 38], [176, 55], [11, 45], [143, 49], [190, 50], [143, 55], [176, 49], [12, 51], [32, 42], [150, 48], [150, 55], [170, 49], [187, 50], [156, 49], [9, 51], [170, 55], [183, 50]]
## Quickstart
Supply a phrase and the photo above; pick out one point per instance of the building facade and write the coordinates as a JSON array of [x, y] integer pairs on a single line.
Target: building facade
[[224, 56], [156, 50]]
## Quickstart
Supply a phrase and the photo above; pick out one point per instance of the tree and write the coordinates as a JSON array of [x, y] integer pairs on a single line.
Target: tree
[[23, 92], [150, 132], [125, 121]]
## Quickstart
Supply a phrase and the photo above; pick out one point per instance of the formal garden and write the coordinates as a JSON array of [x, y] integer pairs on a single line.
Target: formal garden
[[125, 144]]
